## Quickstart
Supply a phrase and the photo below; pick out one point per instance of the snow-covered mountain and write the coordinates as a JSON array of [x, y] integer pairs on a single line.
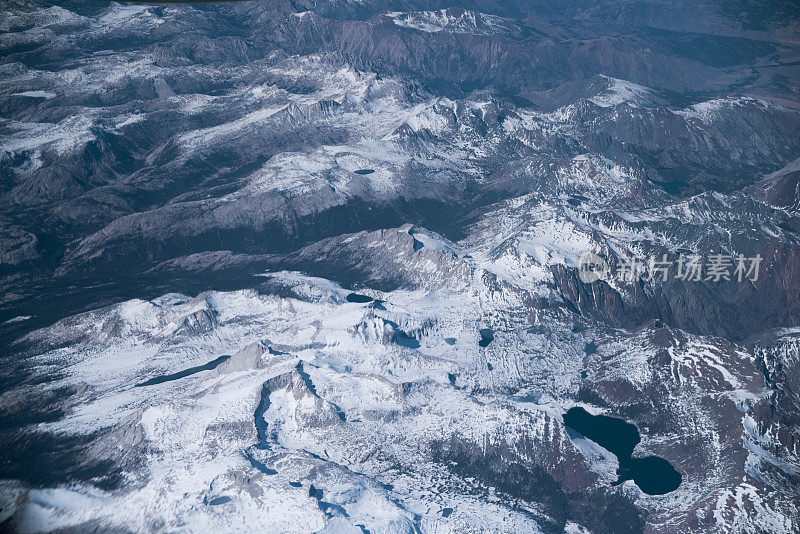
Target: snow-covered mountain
[[315, 266]]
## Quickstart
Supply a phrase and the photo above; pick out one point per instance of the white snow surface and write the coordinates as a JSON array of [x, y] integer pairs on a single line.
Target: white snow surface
[[352, 406], [451, 21]]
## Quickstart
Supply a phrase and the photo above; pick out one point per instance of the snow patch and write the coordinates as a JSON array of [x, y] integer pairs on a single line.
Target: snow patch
[[620, 92], [36, 94], [451, 21]]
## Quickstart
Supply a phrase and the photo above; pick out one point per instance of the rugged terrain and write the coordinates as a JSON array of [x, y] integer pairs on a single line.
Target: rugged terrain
[[301, 267]]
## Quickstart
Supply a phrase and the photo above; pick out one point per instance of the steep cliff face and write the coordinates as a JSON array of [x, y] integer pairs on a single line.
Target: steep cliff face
[[317, 266]]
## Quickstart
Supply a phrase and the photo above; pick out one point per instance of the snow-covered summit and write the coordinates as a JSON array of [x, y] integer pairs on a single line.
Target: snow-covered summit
[[452, 20]]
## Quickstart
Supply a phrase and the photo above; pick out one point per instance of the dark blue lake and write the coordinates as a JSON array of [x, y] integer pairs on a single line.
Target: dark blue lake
[[357, 297], [487, 336], [653, 475]]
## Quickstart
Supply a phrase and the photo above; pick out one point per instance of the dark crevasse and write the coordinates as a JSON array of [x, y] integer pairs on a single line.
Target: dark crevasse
[[653, 475], [261, 431], [260, 422], [182, 374]]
